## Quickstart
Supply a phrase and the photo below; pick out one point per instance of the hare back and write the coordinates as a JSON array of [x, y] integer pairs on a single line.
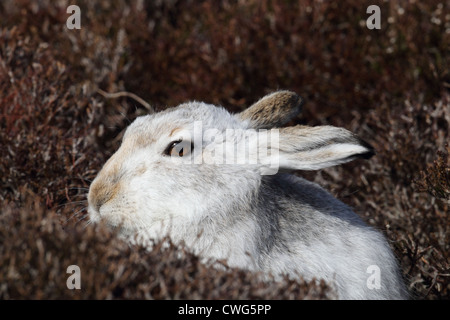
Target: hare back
[[305, 231]]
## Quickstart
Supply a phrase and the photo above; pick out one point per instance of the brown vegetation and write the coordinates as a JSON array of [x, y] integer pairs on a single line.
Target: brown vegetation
[[391, 86]]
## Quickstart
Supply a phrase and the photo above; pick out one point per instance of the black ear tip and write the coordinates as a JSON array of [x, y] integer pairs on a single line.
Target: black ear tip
[[295, 100], [367, 155], [370, 150]]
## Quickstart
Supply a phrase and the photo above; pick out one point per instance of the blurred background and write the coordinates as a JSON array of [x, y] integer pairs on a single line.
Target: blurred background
[[390, 86]]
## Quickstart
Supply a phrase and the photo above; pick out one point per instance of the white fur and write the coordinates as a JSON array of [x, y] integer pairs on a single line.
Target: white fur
[[217, 211]]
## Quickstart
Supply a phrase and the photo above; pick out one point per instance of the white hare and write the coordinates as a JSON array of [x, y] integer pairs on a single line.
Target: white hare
[[162, 181]]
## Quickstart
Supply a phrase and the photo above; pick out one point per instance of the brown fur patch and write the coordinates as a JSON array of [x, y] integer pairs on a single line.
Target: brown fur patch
[[273, 110], [103, 190], [107, 183]]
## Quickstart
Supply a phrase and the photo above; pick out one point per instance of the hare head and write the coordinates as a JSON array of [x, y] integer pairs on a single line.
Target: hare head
[[220, 183], [185, 164]]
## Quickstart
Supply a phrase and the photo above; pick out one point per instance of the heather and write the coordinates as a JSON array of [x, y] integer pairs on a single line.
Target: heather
[[57, 128]]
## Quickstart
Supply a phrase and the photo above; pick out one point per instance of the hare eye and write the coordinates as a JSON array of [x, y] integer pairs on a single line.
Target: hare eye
[[179, 148]]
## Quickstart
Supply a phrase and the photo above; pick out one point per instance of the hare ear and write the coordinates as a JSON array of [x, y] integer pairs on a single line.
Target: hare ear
[[313, 148], [273, 110]]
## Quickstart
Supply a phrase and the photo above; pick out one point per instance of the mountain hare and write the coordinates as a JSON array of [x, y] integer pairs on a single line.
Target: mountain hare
[[220, 183]]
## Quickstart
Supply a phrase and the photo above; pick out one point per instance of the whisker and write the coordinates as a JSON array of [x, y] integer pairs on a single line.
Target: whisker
[[87, 223], [79, 188], [68, 203], [75, 214], [80, 178], [125, 116], [77, 196], [80, 195], [83, 218]]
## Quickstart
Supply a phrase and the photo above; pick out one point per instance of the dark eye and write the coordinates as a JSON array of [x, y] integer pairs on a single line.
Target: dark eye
[[179, 148]]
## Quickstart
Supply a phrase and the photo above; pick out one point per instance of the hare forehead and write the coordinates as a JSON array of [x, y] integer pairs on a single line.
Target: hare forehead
[[150, 128]]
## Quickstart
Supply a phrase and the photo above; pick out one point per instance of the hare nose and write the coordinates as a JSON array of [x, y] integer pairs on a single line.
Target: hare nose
[[98, 202], [107, 183], [100, 193]]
